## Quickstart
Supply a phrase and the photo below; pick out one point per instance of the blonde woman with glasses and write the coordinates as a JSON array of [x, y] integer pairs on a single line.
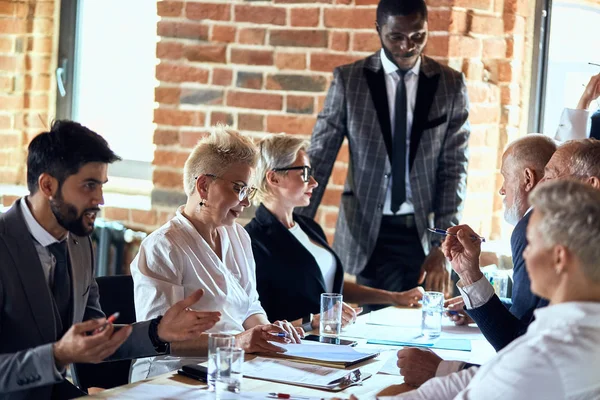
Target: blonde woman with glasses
[[203, 247], [294, 263]]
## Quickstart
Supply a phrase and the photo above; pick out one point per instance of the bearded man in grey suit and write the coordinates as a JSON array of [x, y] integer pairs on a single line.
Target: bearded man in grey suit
[[405, 118], [47, 285]]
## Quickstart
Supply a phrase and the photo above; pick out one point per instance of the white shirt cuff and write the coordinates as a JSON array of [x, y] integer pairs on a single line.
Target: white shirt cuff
[[448, 367], [573, 125], [476, 294]]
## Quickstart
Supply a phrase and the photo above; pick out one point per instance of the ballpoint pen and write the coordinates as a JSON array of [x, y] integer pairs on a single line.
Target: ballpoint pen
[[286, 396], [446, 233], [279, 334]]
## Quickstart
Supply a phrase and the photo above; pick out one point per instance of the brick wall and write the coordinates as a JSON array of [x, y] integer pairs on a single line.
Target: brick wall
[[264, 67], [26, 95]]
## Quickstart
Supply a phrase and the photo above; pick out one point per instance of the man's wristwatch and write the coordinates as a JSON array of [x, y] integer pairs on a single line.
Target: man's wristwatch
[[307, 323], [159, 345]]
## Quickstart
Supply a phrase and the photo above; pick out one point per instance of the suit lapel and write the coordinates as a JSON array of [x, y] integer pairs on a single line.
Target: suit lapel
[[374, 75], [428, 83], [33, 281], [288, 243], [78, 262]]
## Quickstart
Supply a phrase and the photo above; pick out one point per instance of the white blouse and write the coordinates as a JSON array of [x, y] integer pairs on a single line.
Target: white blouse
[[173, 262], [323, 257]]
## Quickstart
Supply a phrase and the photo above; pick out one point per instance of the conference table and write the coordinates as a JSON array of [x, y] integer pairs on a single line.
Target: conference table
[[383, 370]]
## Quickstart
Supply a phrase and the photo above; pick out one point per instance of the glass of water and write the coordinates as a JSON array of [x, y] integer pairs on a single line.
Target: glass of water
[[215, 341], [230, 361], [433, 306], [331, 314]]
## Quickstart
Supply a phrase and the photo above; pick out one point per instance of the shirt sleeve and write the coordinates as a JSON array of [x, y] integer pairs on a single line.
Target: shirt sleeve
[[476, 294], [157, 277], [448, 367], [444, 388], [574, 124], [255, 306]]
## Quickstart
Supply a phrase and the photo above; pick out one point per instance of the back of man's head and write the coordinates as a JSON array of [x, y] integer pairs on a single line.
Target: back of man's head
[[532, 151], [585, 160], [63, 150], [387, 8]]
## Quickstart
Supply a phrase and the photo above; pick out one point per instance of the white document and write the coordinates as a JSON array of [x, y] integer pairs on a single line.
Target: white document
[[292, 372], [325, 352], [149, 391]]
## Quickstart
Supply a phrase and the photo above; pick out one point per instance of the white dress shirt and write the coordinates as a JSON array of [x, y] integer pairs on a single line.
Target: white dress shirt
[[558, 358], [411, 80], [173, 262], [574, 124], [325, 260]]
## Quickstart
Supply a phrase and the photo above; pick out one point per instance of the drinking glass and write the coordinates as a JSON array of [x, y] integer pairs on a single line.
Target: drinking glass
[[215, 341], [433, 306], [331, 315], [230, 361]]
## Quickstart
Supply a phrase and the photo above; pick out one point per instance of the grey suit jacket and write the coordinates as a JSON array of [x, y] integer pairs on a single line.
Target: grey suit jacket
[[356, 108], [27, 321]]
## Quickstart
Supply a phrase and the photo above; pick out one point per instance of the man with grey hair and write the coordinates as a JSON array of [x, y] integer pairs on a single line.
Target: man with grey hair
[[522, 169]]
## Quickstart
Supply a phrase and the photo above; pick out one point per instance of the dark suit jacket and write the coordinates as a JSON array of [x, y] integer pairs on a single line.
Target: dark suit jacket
[[28, 327], [595, 125], [499, 325], [356, 109], [288, 278]]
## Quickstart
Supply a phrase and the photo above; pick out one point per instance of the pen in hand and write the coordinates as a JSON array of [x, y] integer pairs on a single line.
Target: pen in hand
[[446, 233], [109, 320]]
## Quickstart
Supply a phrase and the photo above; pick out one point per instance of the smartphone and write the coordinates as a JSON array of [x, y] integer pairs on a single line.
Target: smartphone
[[330, 340], [194, 371]]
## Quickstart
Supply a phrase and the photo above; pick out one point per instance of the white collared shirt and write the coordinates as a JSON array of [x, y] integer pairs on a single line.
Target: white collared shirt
[[174, 261], [411, 80], [42, 239], [574, 124], [558, 358]]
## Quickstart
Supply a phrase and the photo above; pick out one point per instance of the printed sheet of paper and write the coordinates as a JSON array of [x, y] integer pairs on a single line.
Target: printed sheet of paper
[[291, 372]]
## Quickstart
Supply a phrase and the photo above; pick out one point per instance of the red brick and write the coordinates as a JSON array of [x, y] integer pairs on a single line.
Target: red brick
[[8, 200], [169, 8], [180, 73], [37, 63], [480, 92], [44, 9], [343, 2], [222, 77], [189, 139], [298, 38], [10, 63], [165, 216], [300, 104], [7, 44], [213, 11], [115, 213], [37, 82], [43, 26], [165, 137], [260, 14], [146, 217], [163, 116], [221, 117], [509, 71], [366, 41], [303, 1], [9, 140], [184, 30], [206, 53], [290, 60], [36, 101], [510, 94], [167, 95], [366, 2], [344, 153], [37, 120], [196, 96], [327, 62], [486, 25], [339, 173], [519, 7], [354, 18], [11, 102], [5, 122], [320, 103], [249, 80], [169, 50], [223, 33], [484, 114], [447, 20], [251, 122], [302, 125], [7, 8], [473, 69], [464, 46], [167, 179], [165, 158], [252, 36], [41, 45], [339, 41], [332, 197], [262, 101], [479, 4], [494, 48], [12, 26], [514, 24], [304, 83], [515, 47], [252, 57], [305, 16], [437, 46]]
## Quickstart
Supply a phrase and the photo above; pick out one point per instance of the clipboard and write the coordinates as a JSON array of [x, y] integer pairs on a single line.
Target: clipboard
[[353, 378]]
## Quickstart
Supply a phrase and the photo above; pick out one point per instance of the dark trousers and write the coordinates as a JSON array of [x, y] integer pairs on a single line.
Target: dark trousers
[[396, 261]]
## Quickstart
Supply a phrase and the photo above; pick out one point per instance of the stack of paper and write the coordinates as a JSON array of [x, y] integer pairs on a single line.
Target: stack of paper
[[324, 354]]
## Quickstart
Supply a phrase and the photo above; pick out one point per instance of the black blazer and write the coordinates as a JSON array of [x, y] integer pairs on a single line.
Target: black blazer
[[499, 325], [288, 278]]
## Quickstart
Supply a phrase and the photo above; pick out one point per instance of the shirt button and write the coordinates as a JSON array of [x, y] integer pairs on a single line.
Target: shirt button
[[380, 206], [386, 176]]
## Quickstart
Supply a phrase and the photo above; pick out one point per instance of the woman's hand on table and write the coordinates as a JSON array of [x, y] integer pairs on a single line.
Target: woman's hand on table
[[261, 339], [408, 298]]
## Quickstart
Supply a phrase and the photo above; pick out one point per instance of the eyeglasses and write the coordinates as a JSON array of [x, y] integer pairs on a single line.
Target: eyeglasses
[[243, 191], [306, 171]]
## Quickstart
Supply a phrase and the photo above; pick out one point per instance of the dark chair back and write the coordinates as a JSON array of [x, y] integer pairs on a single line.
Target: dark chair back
[[116, 294]]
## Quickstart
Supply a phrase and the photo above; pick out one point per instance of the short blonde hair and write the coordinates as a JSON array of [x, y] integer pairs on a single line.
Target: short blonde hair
[[276, 151], [570, 217], [215, 153]]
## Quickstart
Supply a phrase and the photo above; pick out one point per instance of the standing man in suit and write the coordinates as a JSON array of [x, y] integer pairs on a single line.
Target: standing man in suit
[[47, 285], [405, 118], [577, 123]]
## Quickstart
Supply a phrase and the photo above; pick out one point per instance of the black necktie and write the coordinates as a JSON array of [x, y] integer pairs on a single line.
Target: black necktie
[[61, 289], [399, 154]]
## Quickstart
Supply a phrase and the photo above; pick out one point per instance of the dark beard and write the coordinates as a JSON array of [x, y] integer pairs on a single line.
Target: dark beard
[[66, 215]]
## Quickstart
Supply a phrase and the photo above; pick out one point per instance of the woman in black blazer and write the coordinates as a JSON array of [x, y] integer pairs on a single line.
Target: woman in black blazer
[[294, 263]]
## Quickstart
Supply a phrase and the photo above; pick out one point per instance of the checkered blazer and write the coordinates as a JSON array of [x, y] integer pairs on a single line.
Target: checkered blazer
[[356, 108]]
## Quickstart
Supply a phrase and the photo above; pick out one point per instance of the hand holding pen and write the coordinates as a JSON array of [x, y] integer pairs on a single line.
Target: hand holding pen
[[462, 248], [442, 232]]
